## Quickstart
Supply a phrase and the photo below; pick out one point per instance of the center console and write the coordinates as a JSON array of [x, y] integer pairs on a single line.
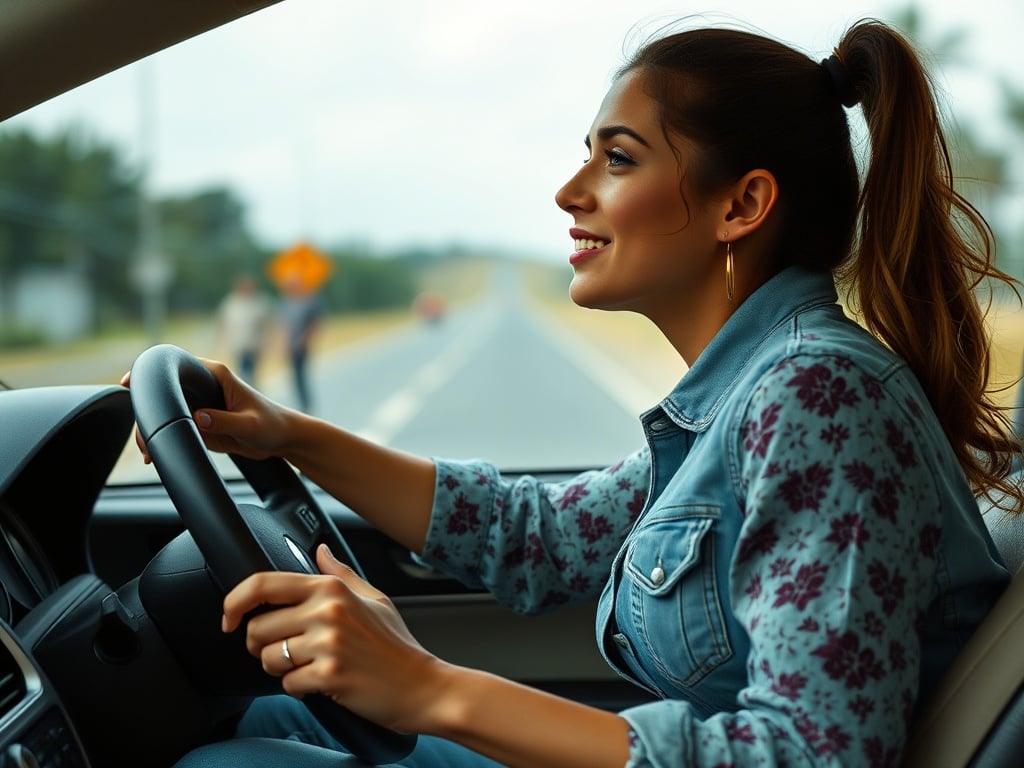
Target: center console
[[34, 729]]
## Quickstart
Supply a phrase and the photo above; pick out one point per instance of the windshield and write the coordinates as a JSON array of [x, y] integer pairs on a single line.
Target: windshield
[[352, 204]]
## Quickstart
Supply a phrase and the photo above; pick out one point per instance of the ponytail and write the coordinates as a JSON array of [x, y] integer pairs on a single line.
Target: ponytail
[[921, 252]]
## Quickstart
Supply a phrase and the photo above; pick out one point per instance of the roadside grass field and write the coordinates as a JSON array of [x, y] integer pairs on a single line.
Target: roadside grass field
[[637, 344]]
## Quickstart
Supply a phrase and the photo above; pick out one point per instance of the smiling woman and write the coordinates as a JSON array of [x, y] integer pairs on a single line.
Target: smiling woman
[[782, 555], [791, 545]]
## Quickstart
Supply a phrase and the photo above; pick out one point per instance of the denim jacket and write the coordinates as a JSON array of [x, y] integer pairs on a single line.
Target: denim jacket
[[790, 563]]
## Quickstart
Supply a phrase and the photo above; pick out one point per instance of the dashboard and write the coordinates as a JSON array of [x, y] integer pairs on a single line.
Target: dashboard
[[57, 442], [26, 576], [81, 656]]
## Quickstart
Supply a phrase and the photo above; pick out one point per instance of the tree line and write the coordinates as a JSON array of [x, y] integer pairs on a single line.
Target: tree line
[[70, 202]]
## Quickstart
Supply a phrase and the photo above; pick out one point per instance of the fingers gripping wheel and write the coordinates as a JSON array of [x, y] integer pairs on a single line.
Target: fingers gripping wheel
[[167, 385]]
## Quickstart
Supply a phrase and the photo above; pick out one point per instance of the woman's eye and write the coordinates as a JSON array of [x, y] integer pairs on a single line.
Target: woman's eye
[[618, 157]]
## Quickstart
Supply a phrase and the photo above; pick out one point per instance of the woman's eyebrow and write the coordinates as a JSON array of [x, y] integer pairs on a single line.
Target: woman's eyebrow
[[611, 131]]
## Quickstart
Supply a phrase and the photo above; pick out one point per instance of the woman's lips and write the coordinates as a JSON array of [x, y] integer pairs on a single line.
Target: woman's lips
[[586, 245], [583, 254]]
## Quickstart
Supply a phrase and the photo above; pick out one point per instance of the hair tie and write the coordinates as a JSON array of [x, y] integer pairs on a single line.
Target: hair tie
[[841, 82]]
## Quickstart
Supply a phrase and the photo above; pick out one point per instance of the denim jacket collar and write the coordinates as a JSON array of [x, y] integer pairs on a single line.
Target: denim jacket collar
[[695, 400]]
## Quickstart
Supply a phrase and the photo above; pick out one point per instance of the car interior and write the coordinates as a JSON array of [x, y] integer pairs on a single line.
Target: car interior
[[110, 649]]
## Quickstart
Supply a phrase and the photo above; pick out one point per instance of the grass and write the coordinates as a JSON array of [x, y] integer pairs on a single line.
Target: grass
[[639, 346], [105, 357], [1006, 326]]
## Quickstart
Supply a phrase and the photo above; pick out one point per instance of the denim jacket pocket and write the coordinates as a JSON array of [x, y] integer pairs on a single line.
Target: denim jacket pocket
[[674, 598]]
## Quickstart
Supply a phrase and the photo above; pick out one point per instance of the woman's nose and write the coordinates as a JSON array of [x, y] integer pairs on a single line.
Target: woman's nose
[[574, 195]]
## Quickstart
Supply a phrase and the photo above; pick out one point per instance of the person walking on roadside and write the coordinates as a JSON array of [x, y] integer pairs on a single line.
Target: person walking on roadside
[[301, 313], [244, 319]]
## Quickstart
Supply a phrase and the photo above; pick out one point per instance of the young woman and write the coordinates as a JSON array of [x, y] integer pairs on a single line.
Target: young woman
[[796, 555]]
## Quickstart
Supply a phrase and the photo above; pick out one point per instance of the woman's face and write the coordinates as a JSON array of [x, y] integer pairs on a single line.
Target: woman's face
[[638, 245]]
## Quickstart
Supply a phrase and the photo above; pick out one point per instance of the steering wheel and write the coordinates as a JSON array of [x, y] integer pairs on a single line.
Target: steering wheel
[[167, 385]]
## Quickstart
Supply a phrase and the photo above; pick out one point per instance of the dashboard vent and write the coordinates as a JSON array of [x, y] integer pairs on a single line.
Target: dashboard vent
[[12, 682]]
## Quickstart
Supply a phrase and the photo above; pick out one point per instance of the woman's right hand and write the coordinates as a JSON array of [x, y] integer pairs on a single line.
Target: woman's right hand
[[392, 490], [251, 424]]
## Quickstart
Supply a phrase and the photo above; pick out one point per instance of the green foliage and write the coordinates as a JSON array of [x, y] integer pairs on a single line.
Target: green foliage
[[18, 336], [72, 201], [362, 282], [206, 238], [65, 201]]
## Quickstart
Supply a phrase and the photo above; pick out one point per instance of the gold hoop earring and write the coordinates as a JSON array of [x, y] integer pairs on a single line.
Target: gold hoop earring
[[730, 282]]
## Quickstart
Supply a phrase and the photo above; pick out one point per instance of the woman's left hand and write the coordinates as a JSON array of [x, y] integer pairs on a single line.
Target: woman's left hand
[[345, 639]]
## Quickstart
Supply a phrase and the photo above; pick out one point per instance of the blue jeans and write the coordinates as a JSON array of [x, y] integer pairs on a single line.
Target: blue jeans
[[279, 732], [247, 360], [298, 358]]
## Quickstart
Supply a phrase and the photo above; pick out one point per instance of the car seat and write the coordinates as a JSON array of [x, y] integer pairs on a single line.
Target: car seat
[[975, 717]]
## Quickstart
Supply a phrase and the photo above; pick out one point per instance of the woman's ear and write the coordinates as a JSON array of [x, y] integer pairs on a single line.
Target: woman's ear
[[748, 203]]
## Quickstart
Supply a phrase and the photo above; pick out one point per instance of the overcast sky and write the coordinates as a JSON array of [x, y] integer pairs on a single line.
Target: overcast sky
[[412, 123]]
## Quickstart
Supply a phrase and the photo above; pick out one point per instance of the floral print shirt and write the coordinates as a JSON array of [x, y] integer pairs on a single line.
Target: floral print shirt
[[790, 563]]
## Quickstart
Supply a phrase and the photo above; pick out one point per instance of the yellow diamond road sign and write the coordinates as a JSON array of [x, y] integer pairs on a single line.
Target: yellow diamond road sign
[[301, 265]]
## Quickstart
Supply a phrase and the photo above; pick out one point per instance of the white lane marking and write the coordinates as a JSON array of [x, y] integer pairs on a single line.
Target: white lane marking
[[391, 416], [394, 412]]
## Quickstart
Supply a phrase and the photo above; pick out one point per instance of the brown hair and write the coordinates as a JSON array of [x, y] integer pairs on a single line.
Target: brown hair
[[910, 247]]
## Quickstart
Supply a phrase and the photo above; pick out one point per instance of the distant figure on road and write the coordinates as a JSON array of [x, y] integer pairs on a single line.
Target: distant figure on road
[[301, 313], [429, 307], [243, 321]]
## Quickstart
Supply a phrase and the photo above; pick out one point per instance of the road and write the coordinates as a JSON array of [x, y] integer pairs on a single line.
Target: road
[[497, 379]]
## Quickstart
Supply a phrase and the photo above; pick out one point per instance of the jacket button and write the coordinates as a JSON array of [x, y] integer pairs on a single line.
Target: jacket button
[[658, 576], [620, 640]]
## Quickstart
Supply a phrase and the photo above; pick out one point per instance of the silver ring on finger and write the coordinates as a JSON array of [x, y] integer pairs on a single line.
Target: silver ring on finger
[[287, 653]]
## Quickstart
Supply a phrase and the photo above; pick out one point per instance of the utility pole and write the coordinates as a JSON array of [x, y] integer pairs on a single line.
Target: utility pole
[[152, 272]]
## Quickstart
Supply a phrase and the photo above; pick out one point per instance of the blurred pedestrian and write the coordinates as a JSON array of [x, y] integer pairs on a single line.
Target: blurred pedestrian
[[244, 319], [429, 306], [301, 313]]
